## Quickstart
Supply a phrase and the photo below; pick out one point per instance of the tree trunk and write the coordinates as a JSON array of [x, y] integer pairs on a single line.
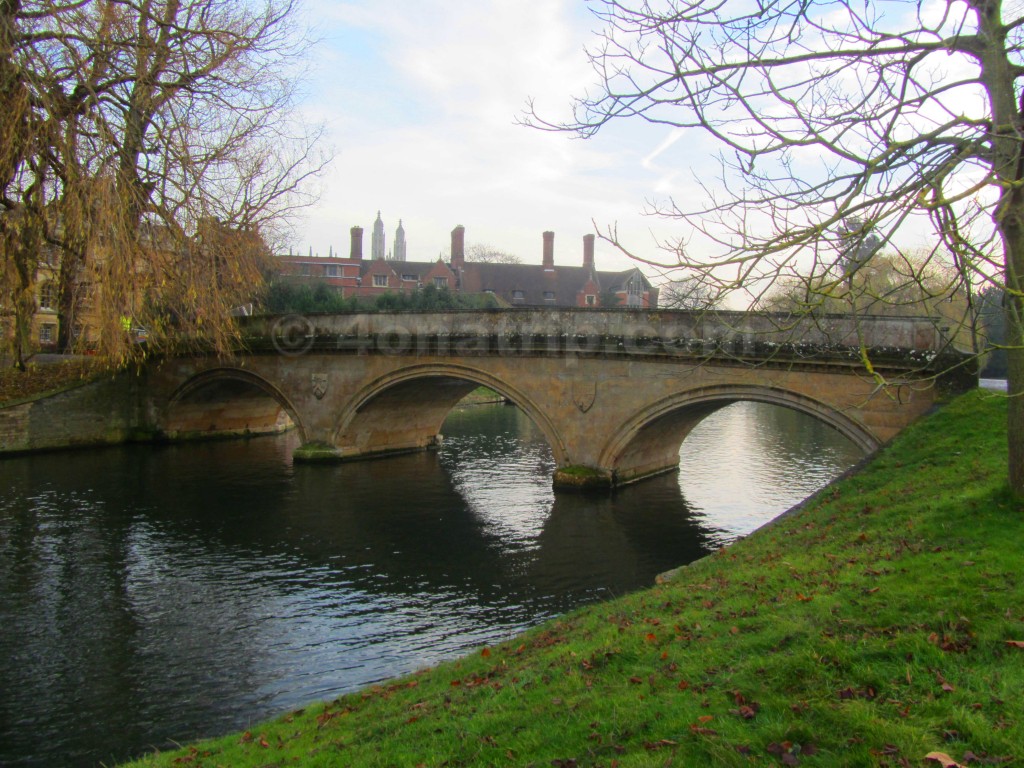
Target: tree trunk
[[1015, 367], [66, 301], [998, 77]]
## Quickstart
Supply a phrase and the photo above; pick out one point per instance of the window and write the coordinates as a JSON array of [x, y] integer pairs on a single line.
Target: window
[[47, 333], [380, 281], [591, 299], [305, 270], [518, 296], [333, 270], [83, 296], [549, 295], [47, 295], [440, 282], [410, 278]]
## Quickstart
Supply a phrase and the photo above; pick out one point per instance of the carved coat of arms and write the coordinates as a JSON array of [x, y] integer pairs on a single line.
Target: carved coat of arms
[[584, 394], [319, 385]]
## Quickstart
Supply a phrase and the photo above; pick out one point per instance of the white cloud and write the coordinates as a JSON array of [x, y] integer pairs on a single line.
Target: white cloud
[[421, 100]]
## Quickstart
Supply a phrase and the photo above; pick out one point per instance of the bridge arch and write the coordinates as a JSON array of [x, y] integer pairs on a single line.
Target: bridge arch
[[648, 443], [228, 401], [404, 409]]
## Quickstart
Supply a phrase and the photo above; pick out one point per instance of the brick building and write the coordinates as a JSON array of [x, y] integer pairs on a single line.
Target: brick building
[[523, 285]]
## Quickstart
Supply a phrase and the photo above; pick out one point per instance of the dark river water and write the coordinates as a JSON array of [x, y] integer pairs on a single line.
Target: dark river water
[[159, 593]]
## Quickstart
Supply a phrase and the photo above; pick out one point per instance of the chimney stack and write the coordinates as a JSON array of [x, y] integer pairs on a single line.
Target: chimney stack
[[459, 247], [356, 250], [588, 252], [549, 251]]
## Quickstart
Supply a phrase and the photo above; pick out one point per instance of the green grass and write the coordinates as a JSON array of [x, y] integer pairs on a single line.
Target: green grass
[[870, 628]]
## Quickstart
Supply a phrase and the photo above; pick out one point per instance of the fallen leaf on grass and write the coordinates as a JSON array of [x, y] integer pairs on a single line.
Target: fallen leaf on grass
[[1015, 643], [943, 759], [651, 746], [746, 712]]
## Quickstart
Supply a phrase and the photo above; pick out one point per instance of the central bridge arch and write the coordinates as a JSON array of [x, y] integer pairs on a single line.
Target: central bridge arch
[[404, 410], [649, 442]]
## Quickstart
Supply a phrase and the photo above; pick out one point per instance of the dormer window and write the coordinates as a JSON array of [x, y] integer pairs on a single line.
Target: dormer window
[[518, 295], [549, 295]]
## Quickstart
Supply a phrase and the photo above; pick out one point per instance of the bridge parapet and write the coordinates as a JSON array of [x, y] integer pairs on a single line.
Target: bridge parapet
[[903, 343]]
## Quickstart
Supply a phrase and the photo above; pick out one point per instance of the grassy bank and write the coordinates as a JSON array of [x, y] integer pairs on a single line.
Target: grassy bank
[[878, 625]]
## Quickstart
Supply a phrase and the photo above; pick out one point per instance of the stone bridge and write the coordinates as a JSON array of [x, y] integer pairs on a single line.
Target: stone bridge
[[614, 391]]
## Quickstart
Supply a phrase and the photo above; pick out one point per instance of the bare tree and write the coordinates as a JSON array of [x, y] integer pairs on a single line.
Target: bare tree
[[43, 90], [840, 123], [182, 129], [488, 254], [690, 293], [482, 253], [891, 283]]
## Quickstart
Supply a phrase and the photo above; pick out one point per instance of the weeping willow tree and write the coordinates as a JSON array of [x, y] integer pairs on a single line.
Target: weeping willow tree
[[839, 123], [151, 143]]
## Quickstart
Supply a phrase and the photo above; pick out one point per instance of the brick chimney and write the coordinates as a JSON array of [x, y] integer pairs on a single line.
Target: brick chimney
[[356, 251], [588, 252], [459, 247], [549, 251]]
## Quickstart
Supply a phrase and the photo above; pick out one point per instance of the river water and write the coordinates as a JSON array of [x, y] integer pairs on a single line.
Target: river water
[[151, 594]]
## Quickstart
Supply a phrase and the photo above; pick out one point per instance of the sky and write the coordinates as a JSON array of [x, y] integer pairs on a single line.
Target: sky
[[420, 101]]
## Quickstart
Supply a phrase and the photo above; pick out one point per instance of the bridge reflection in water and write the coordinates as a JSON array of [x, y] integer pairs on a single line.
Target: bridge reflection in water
[[172, 592]]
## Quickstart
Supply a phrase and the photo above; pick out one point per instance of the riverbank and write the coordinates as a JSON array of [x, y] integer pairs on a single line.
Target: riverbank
[[882, 623], [482, 396], [46, 377]]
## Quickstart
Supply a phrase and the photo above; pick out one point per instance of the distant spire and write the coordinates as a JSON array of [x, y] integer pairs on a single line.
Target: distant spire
[[377, 239], [330, 251], [399, 242]]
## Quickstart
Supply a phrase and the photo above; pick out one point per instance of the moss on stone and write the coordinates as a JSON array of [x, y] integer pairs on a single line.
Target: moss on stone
[[316, 452], [576, 477]]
